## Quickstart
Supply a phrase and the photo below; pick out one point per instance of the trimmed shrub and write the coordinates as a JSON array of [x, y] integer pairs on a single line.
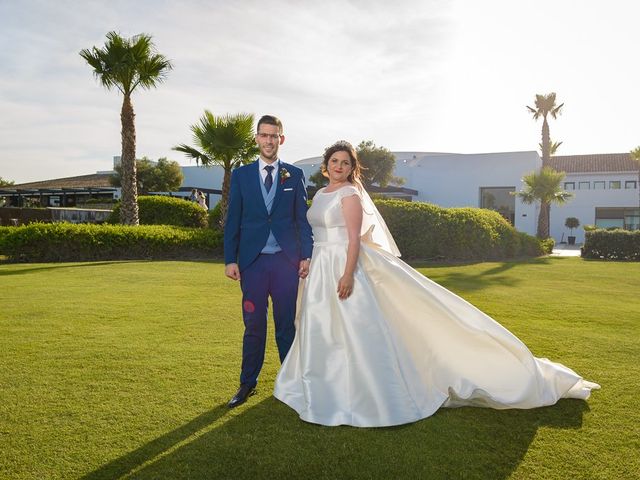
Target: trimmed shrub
[[160, 210], [426, 231], [214, 216], [612, 244], [58, 242], [547, 245]]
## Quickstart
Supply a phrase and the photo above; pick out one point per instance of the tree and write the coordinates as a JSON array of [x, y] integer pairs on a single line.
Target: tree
[[377, 165], [543, 186], [571, 223], [161, 176], [227, 141], [318, 179], [126, 64], [635, 156], [6, 183], [553, 147], [545, 106]]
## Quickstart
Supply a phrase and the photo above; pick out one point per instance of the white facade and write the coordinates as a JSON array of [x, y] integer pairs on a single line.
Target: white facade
[[591, 192], [460, 180]]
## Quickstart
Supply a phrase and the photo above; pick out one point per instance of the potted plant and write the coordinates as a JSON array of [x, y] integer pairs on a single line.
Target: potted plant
[[571, 223]]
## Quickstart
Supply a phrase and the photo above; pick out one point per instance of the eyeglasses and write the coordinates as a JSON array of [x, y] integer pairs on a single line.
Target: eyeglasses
[[272, 136]]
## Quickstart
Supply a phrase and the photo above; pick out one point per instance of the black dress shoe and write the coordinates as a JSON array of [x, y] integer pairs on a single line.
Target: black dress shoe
[[241, 396]]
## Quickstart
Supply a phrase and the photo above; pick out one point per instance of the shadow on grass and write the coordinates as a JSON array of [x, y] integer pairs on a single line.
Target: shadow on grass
[[151, 450], [268, 440], [56, 266], [472, 281]]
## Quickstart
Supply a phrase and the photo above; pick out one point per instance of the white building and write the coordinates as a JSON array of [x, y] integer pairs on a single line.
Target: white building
[[605, 187], [605, 193]]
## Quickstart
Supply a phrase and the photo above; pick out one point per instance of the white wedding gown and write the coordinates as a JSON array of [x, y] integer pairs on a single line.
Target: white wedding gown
[[401, 346]]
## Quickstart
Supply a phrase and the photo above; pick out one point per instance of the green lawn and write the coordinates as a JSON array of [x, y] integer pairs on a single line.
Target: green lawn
[[122, 369]]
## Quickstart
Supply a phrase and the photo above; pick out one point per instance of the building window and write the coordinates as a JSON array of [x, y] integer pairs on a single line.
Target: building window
[[583, 186], [598, 185], [630, 184], [627, 218], [615, 184], [569, 185], [501, 200]]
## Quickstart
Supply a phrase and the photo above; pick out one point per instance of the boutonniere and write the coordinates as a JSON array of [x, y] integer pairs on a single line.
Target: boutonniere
[[284, 174]]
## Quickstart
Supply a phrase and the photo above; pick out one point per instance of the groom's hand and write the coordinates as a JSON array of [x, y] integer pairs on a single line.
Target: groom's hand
[[232, 271], [303, 271]]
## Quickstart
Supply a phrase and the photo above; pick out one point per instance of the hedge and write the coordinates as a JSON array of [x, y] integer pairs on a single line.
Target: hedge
[[421, 230], [612, 244], [160, 210], [426, 231], [58, 242]]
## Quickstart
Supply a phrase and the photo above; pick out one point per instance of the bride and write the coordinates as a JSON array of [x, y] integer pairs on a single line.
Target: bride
[[378, 344]]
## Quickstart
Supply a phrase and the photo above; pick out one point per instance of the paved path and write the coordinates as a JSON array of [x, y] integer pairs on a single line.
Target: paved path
[[564, 250]]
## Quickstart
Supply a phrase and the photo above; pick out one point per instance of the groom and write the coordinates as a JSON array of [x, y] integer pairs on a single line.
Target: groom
[[267, 246]]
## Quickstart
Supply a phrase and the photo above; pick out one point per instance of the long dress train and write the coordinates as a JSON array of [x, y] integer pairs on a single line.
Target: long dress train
[[401, 346]]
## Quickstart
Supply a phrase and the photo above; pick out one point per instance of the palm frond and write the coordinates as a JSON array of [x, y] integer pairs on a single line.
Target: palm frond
[[125, 63], [544, 186]]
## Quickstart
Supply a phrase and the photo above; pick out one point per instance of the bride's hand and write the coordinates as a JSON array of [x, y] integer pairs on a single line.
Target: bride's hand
[[345, 286]]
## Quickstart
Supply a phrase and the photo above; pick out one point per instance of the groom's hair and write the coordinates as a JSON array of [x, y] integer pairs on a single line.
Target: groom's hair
[[270, 120]]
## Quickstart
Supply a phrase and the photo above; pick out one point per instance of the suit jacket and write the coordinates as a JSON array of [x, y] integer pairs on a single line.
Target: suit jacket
[[248, 221]]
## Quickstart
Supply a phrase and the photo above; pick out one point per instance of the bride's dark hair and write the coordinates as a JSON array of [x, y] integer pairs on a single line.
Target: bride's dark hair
[[344, 146]]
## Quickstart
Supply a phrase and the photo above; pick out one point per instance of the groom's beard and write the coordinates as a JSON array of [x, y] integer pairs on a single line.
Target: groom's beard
[[269, 153]]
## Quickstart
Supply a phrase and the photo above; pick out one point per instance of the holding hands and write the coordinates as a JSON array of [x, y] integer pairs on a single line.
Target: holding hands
[[303, 270]]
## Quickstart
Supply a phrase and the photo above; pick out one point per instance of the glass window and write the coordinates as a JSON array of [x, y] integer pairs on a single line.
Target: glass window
[[615, 184], [584, 185], [620, 217], [630, 184], [598, 185], [569, 185], [501, 200]]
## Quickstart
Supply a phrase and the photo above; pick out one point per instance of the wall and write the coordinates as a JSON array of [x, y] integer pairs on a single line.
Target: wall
[[584, 202]]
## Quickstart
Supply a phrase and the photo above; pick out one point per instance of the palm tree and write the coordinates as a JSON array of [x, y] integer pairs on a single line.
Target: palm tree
[[125, 64], [635, 156], [227, 141], [553, 147], [543, 186], [545, 106]]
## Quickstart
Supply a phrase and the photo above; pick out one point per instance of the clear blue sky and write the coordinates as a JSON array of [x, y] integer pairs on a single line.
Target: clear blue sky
[[423, 75]]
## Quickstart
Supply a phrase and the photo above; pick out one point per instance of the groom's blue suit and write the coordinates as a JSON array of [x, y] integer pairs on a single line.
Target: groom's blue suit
[[267, 234]]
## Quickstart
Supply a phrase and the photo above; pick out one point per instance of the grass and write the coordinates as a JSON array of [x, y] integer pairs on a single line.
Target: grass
[[122, 369]]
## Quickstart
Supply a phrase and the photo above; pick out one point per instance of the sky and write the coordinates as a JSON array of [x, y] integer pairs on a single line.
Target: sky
[[411, 75]]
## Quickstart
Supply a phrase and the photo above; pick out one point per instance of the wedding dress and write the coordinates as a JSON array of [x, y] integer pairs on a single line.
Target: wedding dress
[[401, 346]]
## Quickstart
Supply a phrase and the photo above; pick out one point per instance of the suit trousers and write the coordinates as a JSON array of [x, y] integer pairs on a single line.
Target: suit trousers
[[270, 275]]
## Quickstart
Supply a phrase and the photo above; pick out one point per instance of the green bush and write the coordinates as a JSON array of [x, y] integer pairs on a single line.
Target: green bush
[[57, 242], [612, 244], [160, 210], [214, 216], [426, 231], [547, 245]]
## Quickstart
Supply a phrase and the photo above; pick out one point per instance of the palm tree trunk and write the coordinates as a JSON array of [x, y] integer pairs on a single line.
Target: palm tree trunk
[[546, 143], [129, 204], [543, 220], [224, 201]]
